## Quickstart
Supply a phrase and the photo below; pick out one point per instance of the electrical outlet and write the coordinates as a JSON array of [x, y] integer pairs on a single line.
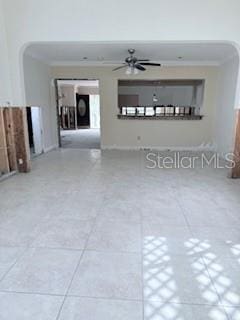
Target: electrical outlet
[[20, 161]]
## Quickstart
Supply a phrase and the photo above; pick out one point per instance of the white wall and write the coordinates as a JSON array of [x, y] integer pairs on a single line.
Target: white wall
[[69, 93], [5, 85], [60, 20], [159, 133], [37, 89], [226, 103]]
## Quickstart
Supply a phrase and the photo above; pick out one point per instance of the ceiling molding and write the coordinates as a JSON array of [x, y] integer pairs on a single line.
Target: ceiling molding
[[114, 64], [113, 53], [227, 59]]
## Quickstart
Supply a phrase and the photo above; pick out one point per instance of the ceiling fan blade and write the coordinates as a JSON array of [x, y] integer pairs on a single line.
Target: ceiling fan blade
[[143, 60], [151, 64], [124, 66], [112, 62], [139, 67]]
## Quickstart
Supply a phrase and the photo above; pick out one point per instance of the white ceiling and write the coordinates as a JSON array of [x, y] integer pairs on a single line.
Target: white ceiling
[[113, 53]]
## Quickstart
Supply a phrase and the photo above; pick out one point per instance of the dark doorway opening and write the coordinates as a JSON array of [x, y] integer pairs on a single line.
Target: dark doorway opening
[[83, 111], [30, 129]]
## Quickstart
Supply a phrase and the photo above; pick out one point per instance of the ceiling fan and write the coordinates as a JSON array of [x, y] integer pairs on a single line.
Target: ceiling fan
[[134, 65]]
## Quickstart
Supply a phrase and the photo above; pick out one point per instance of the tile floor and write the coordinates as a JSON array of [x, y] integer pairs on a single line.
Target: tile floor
[[81, 139], [97, 236]]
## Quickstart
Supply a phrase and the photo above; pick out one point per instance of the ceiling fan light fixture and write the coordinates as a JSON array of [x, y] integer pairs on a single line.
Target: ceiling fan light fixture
[[155, 99], [129, 70], [135, 71]]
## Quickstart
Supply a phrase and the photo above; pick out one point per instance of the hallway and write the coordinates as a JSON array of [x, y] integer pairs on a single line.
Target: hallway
[[81, 139]]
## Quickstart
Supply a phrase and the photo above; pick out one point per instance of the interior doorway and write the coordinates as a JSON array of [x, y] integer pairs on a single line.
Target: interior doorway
[[35, 131], [78, 106]]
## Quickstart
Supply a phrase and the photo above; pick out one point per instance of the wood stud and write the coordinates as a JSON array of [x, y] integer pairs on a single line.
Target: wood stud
[[14, 143]]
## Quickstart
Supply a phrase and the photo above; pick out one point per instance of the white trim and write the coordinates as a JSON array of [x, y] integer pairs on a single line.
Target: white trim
[[229, 58], [7, 175], [111, 64], [38, 57], [208, 147]]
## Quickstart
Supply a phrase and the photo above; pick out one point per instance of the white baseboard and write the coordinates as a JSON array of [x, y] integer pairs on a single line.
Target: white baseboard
[[48, 149], [154, 148], [7, 175]]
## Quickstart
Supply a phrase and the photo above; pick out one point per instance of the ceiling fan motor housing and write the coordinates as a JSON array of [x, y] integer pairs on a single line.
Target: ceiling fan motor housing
[[135, 63], [131, 60]]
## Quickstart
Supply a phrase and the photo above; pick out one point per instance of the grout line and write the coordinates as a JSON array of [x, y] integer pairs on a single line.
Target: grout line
[[13, 265], [81, 256], [32, 293], [65, 296], [115, 298], [183, 211], [142, 240], [142, 270], [56, 248], [216, 292], [103, 298], [186, 303], [84, 249]]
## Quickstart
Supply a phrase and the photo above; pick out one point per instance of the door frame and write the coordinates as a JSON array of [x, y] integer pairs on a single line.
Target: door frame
[[38, 138], [57, 103]]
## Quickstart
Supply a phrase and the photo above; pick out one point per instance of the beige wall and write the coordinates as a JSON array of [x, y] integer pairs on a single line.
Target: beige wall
[[117, 133]]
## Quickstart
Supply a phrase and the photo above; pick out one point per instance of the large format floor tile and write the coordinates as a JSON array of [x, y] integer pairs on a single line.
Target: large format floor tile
[[118, 240], [108, 275], [220, 234], [42, 271], [20, 231], [8, 256], [80, 205], [76, 308], [117, 208], [225, 277], [180, 280], [15, 306], [64, 233], [115, 235], [232, 313], [175, 311]]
